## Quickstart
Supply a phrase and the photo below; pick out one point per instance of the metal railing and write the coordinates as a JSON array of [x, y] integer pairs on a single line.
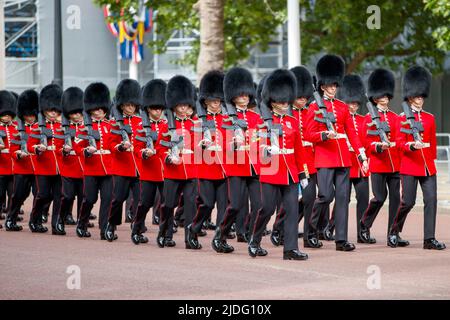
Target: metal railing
[[445, 148]]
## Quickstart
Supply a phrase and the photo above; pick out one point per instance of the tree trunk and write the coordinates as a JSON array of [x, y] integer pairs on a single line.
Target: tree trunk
[[212, 42]]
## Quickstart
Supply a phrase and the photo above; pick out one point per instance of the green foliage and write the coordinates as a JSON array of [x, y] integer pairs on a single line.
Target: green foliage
[[411, 30]]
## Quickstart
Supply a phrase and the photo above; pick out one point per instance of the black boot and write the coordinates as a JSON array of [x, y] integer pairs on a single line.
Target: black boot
[[92, 217], [59, 229], [219, 244], [169, 242], [294, 255], [345, 246], [401, 242], [82, 232], [69, 220], [109, 232], [254, 249], [161, 239], [392, 240], [11, 226], [275, 237], [312, 242], [192, 240], [138, 238], [37, 228], [433, 244], [364, 235]]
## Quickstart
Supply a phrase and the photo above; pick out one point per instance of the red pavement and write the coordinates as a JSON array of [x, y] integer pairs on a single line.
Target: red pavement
[[34, 266]]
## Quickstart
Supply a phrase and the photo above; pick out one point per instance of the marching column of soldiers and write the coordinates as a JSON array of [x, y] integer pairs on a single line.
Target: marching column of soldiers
[[290, 145]]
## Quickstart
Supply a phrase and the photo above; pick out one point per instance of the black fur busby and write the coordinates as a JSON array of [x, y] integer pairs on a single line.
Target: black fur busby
[[352, 89], [416, 82], [238, 81], [7, 103], [28, 104], [280, 86], [50, 98], [211, 86], [330, 69], [72, 101], [154, 94], [97, 96], [381, 83], [180, 90], [128, 91], [304, 82]]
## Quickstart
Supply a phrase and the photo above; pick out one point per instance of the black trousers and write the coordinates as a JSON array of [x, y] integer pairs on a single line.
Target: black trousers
[[409, 194], [91, 187], [149, 189], [171, 194], [22, 186], [237, 199], [381, 182], [6, 188], [243, 219], [361, 186], [289, 199], [48, 191], [121, 190], [333, 183], [71, 188], [210, 192]]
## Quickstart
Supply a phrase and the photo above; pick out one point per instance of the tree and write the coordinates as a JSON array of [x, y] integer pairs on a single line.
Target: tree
[[405, 35]]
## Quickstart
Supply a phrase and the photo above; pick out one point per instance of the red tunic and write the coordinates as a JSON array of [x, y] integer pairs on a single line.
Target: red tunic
[[418, 162], [332, 153], [240, 163], [152, 169], [6, 163], [71, 166], [124, 162], [308, 147], [23, 165], [290, 162], [356, 169], [387, 161], [48, 163]]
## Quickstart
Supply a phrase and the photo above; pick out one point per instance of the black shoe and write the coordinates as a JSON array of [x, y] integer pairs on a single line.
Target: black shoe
[[300, 235], [275, 238], [82, 232], [241, 237], [219, 245], [402, 243], [233, 227], [266, 232], [168, 242], [161, 240], [138, 238], [21, 212], [192, 241], [208, 225], [364, 236], [109, 233], [155, 220], [231, 235], [144, 229], [202, 233], [345, 246], [294, 255], [103, 236], [92, 217], [433, 244], [69, 221], [90, 225], [37, 228], [59, 230], [19, 219], [128, 217], [255, 250], [392, 240], [327, 235], [312, 243], [12, 226], [44, 218]]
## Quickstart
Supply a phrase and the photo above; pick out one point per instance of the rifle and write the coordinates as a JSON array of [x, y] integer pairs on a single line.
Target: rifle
[[416, 127], [124, 130], [92, 135], [273, 130], [327, 117], [382, 128], [23, 136], [44, 132], [237, 125], [2, 135], [68, 133], [150, 135], [206, 125], [176, 142]]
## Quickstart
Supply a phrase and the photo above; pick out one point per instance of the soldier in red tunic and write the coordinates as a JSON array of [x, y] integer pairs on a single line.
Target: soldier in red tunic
[[95, 154], [7, 131], [384, 157], [180, 170], [282, 166], [71, 169], [329, 128], [24, 180], [150, 153], [241, 159], [125, 168], [212, 184], [353, 93], [417, 140], [48, 151]]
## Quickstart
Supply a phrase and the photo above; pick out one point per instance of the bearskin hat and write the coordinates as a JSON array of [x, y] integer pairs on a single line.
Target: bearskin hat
[[50, 98], [416, 82], [352, 89], [280, 86], [211, 86], [128, 91], [381, 83], [154, 94], [97, 96], [72, 101], [28, 104], [304, 82], [180, 90], [238, 81], [7, 103], [330, 69]]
